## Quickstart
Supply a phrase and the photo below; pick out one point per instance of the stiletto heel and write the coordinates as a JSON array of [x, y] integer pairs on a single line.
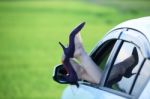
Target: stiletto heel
[[71, 76]]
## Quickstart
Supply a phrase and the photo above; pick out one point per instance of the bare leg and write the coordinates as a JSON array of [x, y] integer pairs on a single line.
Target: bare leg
[[87, 69], [81, 72]]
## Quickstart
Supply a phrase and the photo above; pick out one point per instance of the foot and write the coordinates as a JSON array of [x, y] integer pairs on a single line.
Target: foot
[[69, 52], [135, 58]]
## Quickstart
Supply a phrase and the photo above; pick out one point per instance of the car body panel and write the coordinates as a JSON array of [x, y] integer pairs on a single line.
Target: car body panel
[[87, 92], [140, 24]]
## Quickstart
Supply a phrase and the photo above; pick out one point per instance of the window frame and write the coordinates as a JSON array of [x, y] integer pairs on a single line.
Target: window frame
[[109, 66], [121, 35], [102, 48], [144, 51], [114, 52], [110, 61], [143, 44]]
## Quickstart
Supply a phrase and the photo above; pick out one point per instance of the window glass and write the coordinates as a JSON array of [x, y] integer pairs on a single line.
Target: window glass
[[125, 68], [102, 53], [143, 78], [145, 93]]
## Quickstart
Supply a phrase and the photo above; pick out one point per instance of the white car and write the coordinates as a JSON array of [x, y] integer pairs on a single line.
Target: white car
[[116, 46]]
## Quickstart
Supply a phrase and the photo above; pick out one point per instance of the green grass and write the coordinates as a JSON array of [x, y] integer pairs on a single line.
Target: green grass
[[29, 36]]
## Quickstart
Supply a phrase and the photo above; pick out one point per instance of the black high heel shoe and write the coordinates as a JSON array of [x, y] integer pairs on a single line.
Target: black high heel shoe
[[71, 75], [123, 69], [128, 72]]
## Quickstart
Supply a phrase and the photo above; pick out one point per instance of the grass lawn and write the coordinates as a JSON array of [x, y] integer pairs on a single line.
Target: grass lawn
[[29, 36]]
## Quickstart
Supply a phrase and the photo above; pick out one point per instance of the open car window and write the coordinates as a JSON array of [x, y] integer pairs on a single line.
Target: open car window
[[124, 68], [100, 56], [142, 79], [128, 84]]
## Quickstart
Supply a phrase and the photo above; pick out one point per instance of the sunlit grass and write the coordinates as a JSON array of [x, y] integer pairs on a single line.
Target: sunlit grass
[[29, 36]]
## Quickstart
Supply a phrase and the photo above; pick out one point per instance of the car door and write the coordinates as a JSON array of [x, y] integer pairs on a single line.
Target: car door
[[88, 90], [101, 56], [124, 86], [109, 52], [142, 84]]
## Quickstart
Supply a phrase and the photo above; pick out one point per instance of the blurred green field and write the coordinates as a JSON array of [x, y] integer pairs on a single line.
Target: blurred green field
[[30, 32]]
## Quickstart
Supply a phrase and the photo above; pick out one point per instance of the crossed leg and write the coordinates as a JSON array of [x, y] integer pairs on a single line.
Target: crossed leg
[[84, 66]]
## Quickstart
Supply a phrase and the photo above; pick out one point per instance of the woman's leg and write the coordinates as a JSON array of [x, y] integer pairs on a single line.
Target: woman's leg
[[85, 68], [83, 74]]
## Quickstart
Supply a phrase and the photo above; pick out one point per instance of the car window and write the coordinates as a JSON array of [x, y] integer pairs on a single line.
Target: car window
[[124, 68], [143, 78], [145, 93], [102, 53]]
